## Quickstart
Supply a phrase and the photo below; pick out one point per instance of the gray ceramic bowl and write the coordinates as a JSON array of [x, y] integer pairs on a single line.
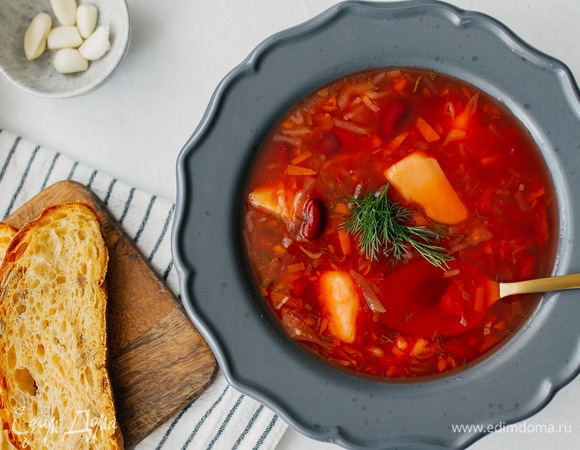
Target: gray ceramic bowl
[[39, 76], [257, 357]]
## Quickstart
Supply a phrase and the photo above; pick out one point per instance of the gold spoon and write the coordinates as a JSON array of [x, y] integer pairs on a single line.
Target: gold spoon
[[548, 284]]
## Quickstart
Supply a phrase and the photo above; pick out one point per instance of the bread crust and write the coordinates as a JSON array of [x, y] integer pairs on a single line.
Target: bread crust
[[7, 233], [55, 390]]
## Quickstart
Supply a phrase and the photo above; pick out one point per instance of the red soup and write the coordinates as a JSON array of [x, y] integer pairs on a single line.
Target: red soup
[[381, 210]]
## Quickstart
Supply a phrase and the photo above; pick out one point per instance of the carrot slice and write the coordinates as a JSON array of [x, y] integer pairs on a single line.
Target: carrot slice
[[344, 240], [427, 130], [397, 141], [341, 208], [300, 171], [342, 300], [420, 180], [302, 157]]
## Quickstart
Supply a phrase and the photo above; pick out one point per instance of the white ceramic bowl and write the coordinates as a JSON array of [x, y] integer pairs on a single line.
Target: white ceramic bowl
[[39, 76]]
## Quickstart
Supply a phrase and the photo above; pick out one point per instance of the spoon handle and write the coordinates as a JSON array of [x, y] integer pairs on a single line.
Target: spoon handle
[[549, 284]]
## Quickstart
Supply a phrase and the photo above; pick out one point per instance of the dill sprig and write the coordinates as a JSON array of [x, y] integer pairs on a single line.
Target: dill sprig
[[382, 225]]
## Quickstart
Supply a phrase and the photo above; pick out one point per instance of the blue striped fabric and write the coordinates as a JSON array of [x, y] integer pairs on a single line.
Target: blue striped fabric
[[221, 418]]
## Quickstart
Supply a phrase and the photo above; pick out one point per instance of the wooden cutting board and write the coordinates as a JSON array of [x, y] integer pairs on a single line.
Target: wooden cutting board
[[159, 361]]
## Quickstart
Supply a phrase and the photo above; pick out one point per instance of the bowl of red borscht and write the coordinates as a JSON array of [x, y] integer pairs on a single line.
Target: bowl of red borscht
[[346, 205]]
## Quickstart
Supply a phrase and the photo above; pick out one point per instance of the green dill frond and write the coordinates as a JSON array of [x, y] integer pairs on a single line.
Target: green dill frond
[[382, 225]]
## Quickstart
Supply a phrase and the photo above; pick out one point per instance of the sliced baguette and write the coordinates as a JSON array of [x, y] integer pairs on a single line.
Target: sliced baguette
[[55, 390], [7, 233]]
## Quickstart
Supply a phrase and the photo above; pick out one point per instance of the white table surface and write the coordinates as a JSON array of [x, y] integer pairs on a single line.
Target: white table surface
[[134, 126]]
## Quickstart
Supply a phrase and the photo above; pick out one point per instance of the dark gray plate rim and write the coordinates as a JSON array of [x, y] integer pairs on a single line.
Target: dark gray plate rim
[[256, 357]]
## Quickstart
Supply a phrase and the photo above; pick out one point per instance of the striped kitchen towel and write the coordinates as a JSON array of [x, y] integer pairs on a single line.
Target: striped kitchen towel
[[221, 418]]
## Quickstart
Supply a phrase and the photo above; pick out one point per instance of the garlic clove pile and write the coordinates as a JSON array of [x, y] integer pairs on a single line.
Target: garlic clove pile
[[77, 31]]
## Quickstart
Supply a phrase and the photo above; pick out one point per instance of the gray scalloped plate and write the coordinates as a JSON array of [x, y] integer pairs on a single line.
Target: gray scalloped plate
[[256, 356]]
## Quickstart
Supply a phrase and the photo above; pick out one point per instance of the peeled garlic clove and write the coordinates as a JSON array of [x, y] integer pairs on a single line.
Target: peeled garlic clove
[[69, 60], [97, 44], [35, 36], [65, 11], [63, 37], [86, 19]]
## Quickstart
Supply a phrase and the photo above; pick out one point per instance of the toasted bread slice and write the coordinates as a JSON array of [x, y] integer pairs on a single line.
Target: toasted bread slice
[[55, 390], [7, 232]]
